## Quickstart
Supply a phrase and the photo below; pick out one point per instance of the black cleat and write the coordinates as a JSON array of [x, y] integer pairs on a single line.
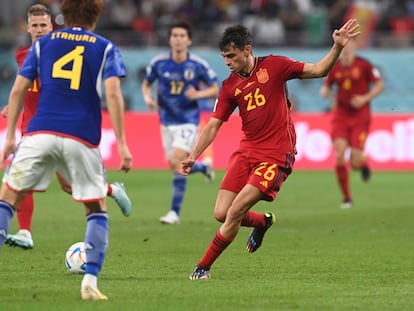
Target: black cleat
[[365, 173], [256, 236], [200, 273]]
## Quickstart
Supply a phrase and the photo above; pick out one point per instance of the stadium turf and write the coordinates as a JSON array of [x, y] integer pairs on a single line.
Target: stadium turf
[[316, 257]]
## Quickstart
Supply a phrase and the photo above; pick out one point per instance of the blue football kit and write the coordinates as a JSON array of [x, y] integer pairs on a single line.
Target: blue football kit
[[70, 62], [173, 80]]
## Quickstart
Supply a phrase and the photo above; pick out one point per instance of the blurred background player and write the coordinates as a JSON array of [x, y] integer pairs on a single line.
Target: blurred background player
[[357, 83], [64, 133], [264, 160], [39, 24], [179, 74]]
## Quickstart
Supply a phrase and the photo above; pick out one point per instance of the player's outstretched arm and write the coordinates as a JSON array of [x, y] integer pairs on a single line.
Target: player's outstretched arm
[[341, 37]]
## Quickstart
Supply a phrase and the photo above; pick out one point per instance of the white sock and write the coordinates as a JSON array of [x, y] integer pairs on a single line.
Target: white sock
[[115, 190], [25, 232], [91, 280]]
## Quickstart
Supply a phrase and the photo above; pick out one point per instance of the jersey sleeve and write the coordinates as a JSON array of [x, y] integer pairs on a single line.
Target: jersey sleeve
[[29, 69], [208, 76], [287, 67], [114, 65], [374, 73], [151, 72], [224, 106]]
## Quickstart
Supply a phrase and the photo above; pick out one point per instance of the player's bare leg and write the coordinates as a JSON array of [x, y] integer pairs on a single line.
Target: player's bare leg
[[359, 162]]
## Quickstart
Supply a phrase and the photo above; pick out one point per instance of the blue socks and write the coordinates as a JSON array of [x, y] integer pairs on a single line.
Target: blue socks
[[6, 214], [198, 167], [96, 241], [179, 185]]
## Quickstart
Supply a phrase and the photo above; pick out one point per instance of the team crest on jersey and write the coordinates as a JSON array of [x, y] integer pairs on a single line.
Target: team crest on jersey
[[189, 74], [262, 75]]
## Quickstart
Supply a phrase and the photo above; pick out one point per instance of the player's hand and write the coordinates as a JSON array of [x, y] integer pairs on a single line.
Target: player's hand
[[186, 166], [348, 31], [5, 111], [126, 157], [357, 101], [191, 92], [151, 104], [9, 148]]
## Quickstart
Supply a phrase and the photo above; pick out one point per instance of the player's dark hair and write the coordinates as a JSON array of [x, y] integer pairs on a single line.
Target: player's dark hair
[[237, 36], [38, 9], [183, 25], [82, 13]]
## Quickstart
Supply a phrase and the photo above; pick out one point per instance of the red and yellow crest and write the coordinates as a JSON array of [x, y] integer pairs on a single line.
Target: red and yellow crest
[[262, 75]]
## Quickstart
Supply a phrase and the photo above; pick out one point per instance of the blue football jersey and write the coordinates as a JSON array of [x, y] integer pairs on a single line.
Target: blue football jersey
[[71, 65], [173, 81]]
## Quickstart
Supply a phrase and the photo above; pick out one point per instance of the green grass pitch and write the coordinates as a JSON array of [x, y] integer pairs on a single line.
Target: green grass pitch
[[316, 257]]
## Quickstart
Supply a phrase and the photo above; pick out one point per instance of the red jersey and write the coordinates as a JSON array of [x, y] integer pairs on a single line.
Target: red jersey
[[32, 96], [352, 80], [263, 106]]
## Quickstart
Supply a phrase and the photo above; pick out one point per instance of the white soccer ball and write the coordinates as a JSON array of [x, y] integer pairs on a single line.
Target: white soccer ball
[[75, 259]]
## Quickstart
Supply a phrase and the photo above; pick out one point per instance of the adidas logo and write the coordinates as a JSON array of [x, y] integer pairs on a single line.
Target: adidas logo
[[264, 183]]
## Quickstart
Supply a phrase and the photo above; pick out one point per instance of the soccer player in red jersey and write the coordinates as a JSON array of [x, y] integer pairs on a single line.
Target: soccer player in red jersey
[[257, 170], [39, 24], [357, 82]]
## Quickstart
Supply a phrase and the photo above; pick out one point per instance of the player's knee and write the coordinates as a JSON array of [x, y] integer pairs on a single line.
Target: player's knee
[[175, 166], [355, 165], [219, 216], [355, 162], [340, 160]]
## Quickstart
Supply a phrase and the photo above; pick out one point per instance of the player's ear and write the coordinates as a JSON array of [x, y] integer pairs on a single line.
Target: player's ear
[[247, 50]]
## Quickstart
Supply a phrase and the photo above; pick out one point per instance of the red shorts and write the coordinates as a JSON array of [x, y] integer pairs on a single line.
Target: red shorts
[[266, 174], [356, 133]]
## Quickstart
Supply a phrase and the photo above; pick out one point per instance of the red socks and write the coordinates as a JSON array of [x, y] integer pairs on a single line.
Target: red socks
[[343, 180], [217, 246], [25, 213], [253, 219], [109, 191]]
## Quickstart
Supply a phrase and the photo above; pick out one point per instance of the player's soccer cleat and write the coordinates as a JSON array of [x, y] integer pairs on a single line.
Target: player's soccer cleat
[[209, 175], [22, 239], [92, 293], [121, 198], [200, 273], [171, 218], [365, 173], [346, 204], [256, 236]]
